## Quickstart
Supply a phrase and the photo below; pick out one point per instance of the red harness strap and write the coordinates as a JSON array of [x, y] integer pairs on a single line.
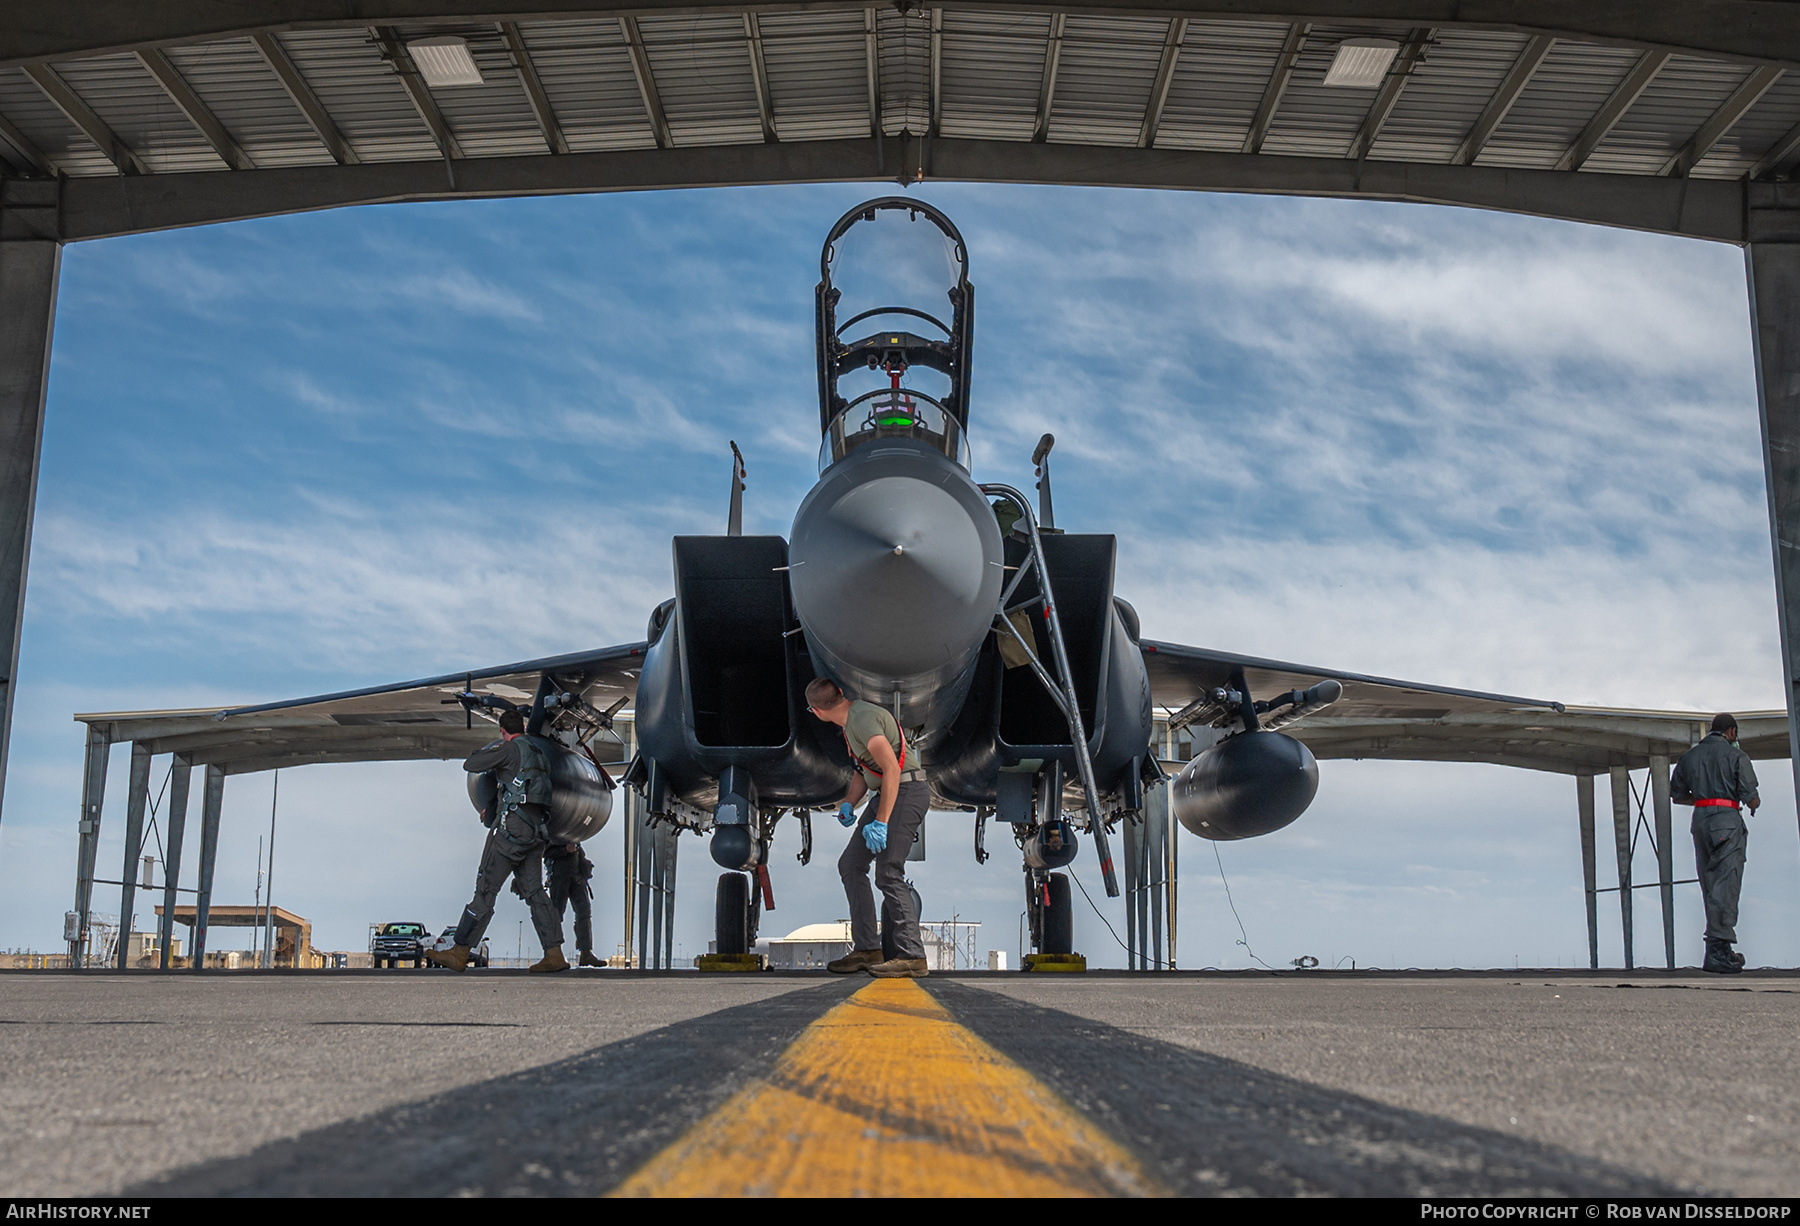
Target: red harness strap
[[1715, 804], [870, 766]]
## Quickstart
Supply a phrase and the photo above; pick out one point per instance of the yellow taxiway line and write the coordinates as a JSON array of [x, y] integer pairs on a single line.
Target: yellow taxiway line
[[887, 1095]]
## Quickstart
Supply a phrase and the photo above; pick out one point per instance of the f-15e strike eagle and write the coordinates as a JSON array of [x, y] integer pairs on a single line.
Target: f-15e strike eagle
[[1018, 676]]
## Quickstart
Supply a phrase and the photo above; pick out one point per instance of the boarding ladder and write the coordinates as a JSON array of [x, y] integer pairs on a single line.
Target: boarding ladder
[[1063, 693]]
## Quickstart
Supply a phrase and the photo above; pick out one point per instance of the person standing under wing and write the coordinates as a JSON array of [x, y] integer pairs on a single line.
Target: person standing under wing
[[898, 798], [570, 871], [518, 831], [1715, 777]]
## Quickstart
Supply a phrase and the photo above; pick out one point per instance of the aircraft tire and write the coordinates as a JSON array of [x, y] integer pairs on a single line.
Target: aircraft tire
[[731, 919], [1059, 918]]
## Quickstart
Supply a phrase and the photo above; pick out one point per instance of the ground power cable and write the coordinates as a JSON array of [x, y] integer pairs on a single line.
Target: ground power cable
[[1160, 964], [1245, 942]]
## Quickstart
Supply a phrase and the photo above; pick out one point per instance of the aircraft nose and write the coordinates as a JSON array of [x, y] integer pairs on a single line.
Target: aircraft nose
[[892, 572]]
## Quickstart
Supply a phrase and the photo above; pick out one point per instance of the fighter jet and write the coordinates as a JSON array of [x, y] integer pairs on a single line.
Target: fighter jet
[[1019, 678]]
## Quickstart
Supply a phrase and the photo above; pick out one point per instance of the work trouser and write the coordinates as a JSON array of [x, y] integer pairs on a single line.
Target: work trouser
[[1720, 837], [890, 872], [514, 849], [567, 885]]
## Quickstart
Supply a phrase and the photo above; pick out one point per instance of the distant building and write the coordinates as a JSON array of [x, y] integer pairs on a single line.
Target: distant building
[[811, 947]]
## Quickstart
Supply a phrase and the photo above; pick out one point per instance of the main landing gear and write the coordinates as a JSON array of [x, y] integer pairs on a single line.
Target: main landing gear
[[1048, 908]]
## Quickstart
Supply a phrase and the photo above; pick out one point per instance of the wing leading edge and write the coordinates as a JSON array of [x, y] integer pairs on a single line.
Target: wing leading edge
[[600, 677], [1179, 675]]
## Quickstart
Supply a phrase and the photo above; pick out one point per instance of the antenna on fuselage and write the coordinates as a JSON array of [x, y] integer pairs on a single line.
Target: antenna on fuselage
[[1041, 460], [734, 523]]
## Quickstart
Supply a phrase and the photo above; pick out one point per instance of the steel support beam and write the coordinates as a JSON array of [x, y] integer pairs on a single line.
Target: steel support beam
[[1721, 121], [176, 818], [534, 88], [1613, 109], [93, 805], [1773, 269], [25, 150], [103, 207], [212, 802], [1494, 113], [1165, 76], [1780, 156], [1278, 83], [1388, 96], [1047, 87], [394, 51], [1584, 808], [288, 72], [199, 114], [937, 71], [872, 46], [137, 794], [1621, 811], [1759, 31], [759, 70], [79, 113], [28, 276], [1665, 852], [646, 81]]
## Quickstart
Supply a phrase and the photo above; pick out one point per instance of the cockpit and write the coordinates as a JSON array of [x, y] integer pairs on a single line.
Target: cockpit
[[895, 273]]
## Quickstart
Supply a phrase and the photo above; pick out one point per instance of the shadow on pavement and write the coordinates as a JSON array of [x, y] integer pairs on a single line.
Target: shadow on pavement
[[1212, 1126]]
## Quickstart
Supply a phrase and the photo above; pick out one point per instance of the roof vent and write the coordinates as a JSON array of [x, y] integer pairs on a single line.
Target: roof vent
[[446, 61], [1361, 63]]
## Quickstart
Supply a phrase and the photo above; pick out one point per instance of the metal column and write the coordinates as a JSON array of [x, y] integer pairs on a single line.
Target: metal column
[[28, 272], [1134, 884], [643, 844], [211, 802], [1665, 852], [1621, 807], [177, 820], [1584, 804], [93, 801], [1772, 264], [667, 845], [135, 798]]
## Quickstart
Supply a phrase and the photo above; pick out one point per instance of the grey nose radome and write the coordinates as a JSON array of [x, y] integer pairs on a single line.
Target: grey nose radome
[[895, 569]]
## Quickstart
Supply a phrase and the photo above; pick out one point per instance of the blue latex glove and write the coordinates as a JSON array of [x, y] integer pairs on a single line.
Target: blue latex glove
[[875, 836], [846, 814]]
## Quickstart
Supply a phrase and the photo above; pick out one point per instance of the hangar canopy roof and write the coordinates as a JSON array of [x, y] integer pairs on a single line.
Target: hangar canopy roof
[[1673, 115], [1576, 741]]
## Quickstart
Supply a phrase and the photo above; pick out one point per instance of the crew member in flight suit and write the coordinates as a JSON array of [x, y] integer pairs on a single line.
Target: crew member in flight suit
[[518, 831], [570, 871], [1715, 777], [898, 798]]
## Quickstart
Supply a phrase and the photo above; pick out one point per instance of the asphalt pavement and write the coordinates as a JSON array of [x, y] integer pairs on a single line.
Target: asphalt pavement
[[422, 1083]]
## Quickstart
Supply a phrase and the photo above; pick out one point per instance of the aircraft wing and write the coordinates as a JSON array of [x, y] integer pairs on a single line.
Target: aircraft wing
[[1179, 675], [601, 677]]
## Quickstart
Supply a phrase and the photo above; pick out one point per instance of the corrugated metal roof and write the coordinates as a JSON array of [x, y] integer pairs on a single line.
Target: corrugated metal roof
[[990, 81]]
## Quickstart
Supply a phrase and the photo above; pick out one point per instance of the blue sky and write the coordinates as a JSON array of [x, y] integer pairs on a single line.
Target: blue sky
[[306, 453]]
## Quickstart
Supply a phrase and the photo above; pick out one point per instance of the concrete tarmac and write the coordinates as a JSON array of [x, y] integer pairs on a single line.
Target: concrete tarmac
[[423, 1083]]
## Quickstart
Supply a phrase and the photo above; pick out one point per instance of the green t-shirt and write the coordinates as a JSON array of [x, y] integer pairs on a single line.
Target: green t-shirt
[[868, 720]]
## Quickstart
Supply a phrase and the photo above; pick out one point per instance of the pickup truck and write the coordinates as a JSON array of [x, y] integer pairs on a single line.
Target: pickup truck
[[392, 944]]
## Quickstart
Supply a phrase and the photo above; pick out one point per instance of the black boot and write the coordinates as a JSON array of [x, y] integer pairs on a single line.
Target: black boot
[[1719, 960], [1735, 955]]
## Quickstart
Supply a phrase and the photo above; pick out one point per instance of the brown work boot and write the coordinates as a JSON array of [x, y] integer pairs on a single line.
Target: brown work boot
[[855, 960], [456, 958], [900, 968], [588, 959], [553, 961]]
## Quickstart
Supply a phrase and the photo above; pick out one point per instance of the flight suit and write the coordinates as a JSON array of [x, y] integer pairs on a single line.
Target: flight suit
[[515, 848], [914, 798], [569, 873], [1717, 770]]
